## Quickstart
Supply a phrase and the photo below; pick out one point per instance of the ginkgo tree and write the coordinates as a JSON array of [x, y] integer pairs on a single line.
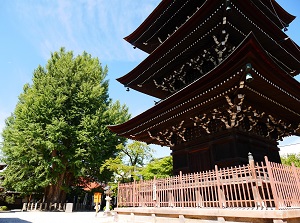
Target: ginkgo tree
[[57, 134]]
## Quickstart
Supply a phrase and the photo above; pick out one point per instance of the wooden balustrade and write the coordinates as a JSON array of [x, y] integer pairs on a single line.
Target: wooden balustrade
[[261, 186]]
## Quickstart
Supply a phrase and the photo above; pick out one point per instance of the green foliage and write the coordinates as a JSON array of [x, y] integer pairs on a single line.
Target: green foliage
[[3, 208], [291, 158], [110, 208], [58, 131], [131, 158], [10, 199], [114, 188], [160, 168], [136, 153]]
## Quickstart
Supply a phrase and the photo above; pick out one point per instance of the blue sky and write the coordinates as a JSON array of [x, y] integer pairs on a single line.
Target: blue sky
[[30, 30]]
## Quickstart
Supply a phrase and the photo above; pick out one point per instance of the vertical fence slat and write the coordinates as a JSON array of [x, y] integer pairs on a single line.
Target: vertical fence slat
[[118, 195], [272, 183], [297, 198], [218, 186], [278, 184]]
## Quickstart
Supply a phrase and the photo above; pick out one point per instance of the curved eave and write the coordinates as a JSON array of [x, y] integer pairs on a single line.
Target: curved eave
[[164, 21], [248, 51], [260, 18], [274, 40], [283, 14], [280, 15], [147, 22]]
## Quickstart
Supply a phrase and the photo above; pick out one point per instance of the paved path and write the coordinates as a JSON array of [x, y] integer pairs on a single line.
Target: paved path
[[54, 217]]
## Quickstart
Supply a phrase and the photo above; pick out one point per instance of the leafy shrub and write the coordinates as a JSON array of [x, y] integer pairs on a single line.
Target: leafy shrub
[[10, 199], [3, 208], [110, 208]]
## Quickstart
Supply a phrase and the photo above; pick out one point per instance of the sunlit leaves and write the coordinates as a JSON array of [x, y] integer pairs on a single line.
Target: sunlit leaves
[[159, 168], [60, 123], [131, 158], [291, 158]]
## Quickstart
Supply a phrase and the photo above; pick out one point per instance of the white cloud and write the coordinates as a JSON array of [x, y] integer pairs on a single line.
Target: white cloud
[[290, 145], [97, 27]]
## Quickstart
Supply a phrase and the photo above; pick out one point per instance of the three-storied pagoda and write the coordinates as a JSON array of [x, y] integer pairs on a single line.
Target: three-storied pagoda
[[224, 73]]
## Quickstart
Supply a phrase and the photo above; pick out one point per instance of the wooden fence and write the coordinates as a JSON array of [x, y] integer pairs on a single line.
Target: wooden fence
[[266, 186], [35, 206]]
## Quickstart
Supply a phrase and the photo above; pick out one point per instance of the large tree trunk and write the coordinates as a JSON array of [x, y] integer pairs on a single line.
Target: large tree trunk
[[55, 192]]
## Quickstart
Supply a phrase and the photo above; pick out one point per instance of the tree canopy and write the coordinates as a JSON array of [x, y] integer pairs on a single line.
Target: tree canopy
[[159, 168], [135, 161], [131, 158], [288, 159], [57, 133]]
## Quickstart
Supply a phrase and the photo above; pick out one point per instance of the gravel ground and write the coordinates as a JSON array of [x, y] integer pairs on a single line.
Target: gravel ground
[[54, 217]]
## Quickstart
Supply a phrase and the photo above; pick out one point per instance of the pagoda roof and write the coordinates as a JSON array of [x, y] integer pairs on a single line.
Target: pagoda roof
[[196, 33], [163, 21], [267, 92], [170, 14]]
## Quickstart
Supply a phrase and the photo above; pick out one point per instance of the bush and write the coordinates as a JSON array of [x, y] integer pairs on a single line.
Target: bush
[[10, 199], [110, 208], [3, 208]]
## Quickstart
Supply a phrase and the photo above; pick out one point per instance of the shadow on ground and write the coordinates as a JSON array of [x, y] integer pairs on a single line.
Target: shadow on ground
[[13, 220]]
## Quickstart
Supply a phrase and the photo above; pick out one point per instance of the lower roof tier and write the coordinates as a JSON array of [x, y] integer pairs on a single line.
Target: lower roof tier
[[245, 92]]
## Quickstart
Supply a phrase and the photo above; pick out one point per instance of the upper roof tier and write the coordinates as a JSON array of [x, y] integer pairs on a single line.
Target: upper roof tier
[[169, 15], [204, 38]]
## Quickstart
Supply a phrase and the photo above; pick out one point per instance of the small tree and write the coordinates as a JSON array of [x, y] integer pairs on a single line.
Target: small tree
[[10, 199], [160, 168], [291, 158], [131, 158]]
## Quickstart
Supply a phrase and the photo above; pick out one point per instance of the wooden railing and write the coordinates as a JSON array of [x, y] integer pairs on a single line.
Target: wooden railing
[[265, 185]]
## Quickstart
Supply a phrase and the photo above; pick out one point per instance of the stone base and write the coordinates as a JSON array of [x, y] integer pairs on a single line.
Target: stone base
[[205, 215], [107, 213]]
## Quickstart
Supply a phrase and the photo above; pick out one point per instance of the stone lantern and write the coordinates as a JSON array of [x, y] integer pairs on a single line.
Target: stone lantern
[[108, 193]]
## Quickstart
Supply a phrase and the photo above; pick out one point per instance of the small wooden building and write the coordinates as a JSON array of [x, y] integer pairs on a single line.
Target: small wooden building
[[223, 71]]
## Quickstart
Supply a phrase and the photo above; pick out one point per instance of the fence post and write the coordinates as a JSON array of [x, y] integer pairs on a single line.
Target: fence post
[[252, 166], [154, 198], [134, 193], [254, 185], [141, 193], [118, 196], [272, 182], [296, 177], [219, 187], [181, 190]]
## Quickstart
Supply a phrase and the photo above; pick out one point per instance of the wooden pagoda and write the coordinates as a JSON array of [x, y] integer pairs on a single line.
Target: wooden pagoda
[[224, 73]]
